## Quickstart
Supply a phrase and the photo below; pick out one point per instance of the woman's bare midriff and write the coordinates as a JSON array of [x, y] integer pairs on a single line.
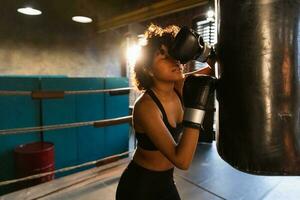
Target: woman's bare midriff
[[153, 160]]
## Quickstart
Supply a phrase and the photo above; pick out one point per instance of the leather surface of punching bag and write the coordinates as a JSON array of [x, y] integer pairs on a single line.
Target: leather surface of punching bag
[[258, 91]]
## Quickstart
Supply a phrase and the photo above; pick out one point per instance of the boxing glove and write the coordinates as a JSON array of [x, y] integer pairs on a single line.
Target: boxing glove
[[188, 45], [196, 91]]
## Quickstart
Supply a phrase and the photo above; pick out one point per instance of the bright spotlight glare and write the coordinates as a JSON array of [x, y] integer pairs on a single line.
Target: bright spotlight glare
[[142, 40], [210, 14], [133, 53], [29, 11]]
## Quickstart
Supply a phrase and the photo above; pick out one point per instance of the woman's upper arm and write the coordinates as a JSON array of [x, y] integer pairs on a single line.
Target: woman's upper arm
[[149, 118]]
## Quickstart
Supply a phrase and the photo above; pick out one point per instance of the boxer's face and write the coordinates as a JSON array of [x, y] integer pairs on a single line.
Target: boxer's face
[[166, 68]]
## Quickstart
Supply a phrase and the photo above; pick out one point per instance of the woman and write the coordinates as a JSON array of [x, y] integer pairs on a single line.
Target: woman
[[157, 118]]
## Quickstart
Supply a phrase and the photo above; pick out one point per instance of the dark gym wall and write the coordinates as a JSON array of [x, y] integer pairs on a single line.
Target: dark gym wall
[[52, 44], [58, 57], [183, 18], [31, 46]]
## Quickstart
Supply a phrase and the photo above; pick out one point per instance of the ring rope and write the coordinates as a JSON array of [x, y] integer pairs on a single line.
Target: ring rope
[[9, 93], [43, 128], [98, 91], [71, 92], [97, 124], [8, 182]]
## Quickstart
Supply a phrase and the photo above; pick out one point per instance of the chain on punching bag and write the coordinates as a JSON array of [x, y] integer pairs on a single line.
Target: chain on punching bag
[[259, 102]]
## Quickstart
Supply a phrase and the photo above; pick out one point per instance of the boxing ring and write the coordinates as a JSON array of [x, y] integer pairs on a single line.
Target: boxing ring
[[99, 128]]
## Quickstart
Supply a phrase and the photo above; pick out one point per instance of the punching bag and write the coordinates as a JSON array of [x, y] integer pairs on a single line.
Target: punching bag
[[258, 91]]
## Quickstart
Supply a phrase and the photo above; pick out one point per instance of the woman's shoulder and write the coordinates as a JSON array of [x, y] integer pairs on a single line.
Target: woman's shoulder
[[143, 101], [145, 105]]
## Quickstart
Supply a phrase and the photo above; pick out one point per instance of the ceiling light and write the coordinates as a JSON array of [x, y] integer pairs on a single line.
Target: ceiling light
[[82, 19], [29, 11]]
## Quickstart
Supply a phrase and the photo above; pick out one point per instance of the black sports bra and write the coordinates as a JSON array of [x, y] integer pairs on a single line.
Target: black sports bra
[[144, 141]]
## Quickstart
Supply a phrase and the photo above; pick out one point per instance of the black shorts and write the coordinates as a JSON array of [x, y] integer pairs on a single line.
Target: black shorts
[[138, 183]]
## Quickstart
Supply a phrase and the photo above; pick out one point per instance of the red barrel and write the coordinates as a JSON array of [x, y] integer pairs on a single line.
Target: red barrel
[[34, 158]]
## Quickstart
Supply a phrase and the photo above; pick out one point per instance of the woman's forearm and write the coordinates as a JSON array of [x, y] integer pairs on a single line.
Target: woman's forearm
[[186, 147]]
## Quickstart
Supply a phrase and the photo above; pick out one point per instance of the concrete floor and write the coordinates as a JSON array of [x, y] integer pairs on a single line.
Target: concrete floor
[[208, 178]]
